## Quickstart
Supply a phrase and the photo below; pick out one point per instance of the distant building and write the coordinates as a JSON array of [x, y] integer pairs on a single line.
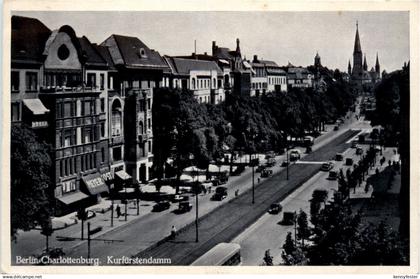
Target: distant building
[[298, 77], [204, 78], [240, 70], [360, 77]]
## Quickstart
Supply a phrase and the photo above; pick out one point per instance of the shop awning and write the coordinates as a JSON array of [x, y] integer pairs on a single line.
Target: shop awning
[[36, 106], [95, 184], [123, 175], [73, 197]]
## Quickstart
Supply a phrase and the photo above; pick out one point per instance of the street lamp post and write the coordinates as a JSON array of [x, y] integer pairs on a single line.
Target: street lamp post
[[112, 211], [126, 202], [287, 159]]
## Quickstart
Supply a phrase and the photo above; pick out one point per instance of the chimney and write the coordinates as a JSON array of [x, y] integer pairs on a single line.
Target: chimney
[[255, 58], [213, 47]]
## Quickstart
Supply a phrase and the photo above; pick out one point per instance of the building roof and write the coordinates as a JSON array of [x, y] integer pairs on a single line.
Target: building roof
[[275, 71], [93, 56], [183, 66], [133, 53], [104, 52], [28, 39]]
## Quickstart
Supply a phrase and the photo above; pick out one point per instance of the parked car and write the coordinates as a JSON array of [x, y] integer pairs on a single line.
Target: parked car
[[377, 148], [336, 128], [349, 161], [180, 198], [266, 173], [260, 168], [239, 170], [285, 163], [271, 162], [327, 166], [275, 208], [294, 155], [270, 154], [161, 206], [332, 175], [339, 157], [184, 207], [220, 194], [354, 144], [359, 151]]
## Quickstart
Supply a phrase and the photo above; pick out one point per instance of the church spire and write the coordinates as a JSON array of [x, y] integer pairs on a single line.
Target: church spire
[[349, 68], [357, 47], [365, 67], [377, 66], [238, 49]]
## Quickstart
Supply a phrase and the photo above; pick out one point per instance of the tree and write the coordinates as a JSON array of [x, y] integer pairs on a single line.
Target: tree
[[268, 259], [289, 244], [31, 187], [303, 227]]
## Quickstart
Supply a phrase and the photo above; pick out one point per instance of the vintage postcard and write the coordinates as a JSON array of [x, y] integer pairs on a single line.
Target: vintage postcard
[[207, 136]]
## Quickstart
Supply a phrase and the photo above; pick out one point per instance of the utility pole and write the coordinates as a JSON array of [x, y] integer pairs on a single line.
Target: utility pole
[[253, 184], [196, 212], [88, 255], [112, 212], [295, 221]]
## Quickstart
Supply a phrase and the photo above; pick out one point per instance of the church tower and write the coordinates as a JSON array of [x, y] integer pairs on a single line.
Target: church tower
[[377, 66], [357, 56]]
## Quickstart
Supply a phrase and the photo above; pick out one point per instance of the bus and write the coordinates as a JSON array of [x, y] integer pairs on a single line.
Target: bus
[[221, 254]]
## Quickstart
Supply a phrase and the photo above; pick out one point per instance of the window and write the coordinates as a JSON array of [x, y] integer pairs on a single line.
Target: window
[[15, 111], [110, 82], [201, 83], [68, 186], [31, 81], [193, 83], [63, 52], [116, 153], [91, 80], [87, 108], [102, 104], [102, 81], [149, 123], [68, 138], [214, 83], [68, 109], [116, 120], [141, 131], [87, 135], [149, 147], [102, 130], [102, 155], [14, 80], [149, 104]]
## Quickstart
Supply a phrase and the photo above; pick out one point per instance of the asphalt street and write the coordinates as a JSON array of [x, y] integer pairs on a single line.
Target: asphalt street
[[233, 217]]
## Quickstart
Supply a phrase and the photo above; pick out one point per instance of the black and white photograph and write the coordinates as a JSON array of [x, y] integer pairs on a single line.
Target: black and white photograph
[[210, 138]]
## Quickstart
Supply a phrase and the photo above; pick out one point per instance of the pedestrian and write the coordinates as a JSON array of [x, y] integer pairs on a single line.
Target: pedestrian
[[259, 179], [118, 211], [173, 232]]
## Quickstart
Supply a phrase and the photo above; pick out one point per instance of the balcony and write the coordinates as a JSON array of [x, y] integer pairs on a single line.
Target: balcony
[[117, 140], [65, 89], [144, 93]]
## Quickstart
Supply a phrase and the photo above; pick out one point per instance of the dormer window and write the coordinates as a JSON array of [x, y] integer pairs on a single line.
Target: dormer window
[[142, 53]]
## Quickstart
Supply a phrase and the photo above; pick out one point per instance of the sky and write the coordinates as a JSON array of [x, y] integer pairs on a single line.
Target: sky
[[283, 37]]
